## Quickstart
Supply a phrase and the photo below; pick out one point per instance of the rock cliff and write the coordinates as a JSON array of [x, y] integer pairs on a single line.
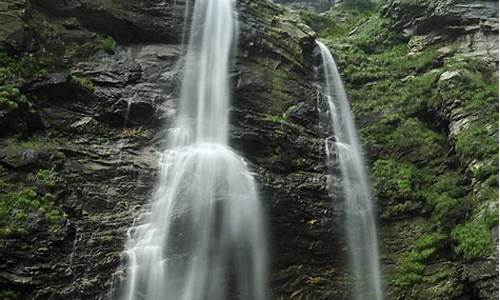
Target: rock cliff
[[88, 88], [423, 80]]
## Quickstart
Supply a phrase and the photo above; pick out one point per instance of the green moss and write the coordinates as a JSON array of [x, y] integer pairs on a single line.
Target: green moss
[[18, 202], [84, 82], [473, 239], [411, 270], [282, 120], [476, 142], [448, 198], [275, 119], [107, 44], [413, 141], [45, 177], [21, 200], [13, 71], [399, 186], [374, 35], [315, 21], [396, 180], [17, 143], [9, 97], [421, 170]]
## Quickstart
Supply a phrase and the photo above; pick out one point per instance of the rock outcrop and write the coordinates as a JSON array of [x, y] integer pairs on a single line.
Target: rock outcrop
[[103, 111], [472, 26], [90, 87], [425, 103]]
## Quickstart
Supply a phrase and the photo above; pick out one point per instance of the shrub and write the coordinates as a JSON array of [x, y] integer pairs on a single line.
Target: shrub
[[476, 142], [412, 268], [108, 44], [18, 203], [473, 239], [396, 180], [45, 177], [84, 82]]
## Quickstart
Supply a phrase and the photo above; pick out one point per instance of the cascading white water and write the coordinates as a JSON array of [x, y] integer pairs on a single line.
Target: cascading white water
[[359, 220], [204, 238]]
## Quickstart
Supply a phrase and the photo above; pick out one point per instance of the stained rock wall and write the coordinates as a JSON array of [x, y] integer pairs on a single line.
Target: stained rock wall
[[83, 131], [89, 88]]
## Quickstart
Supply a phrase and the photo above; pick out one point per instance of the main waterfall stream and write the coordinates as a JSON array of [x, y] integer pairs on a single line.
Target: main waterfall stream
[[204, 238], [359, 220]]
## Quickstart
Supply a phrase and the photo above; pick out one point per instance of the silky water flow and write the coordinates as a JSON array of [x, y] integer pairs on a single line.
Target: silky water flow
[[359, 222], [204, 237]]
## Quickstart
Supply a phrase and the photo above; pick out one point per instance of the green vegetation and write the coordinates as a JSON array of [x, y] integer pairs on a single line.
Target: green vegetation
[[10, 97], [473, 239], [25, 198], [12, 73], [422, 166], [396, 180], [359, 4], [373, 35], [282, 120], [411, 269], [107, 44], [475, 88], [45, 177], [83, 82], [18, 203], [449, 199], [328, 25], [17, 143]]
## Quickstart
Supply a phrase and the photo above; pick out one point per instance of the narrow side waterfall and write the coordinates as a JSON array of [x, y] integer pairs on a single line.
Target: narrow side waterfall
[[359, 221], [204, 238]]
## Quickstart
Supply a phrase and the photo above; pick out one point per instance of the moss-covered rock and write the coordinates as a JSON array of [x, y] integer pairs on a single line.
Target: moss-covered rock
[[427, 114]]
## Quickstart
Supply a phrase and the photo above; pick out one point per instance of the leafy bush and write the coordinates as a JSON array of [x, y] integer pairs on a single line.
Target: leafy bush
[[473, 239], [10, 97], [416, 142], [412, 268], [315, 21], [108, 44], [476, 142], [374, 34], [18, 203], [45, 177], [83, 81], [448, 198], [396, 180], [12, 72]]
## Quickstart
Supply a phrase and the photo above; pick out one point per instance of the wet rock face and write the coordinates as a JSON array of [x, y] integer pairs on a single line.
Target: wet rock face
[[152, 21], [103, 147], [103, 118], [14, 34]]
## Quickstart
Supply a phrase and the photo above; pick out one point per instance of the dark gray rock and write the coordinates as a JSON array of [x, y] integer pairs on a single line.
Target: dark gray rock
[[108, 130], [473, 24], [132, 21], [15, 36]]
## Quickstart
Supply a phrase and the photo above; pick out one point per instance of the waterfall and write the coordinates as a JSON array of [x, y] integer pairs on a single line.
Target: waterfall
[[359, 221], [204, 236]]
